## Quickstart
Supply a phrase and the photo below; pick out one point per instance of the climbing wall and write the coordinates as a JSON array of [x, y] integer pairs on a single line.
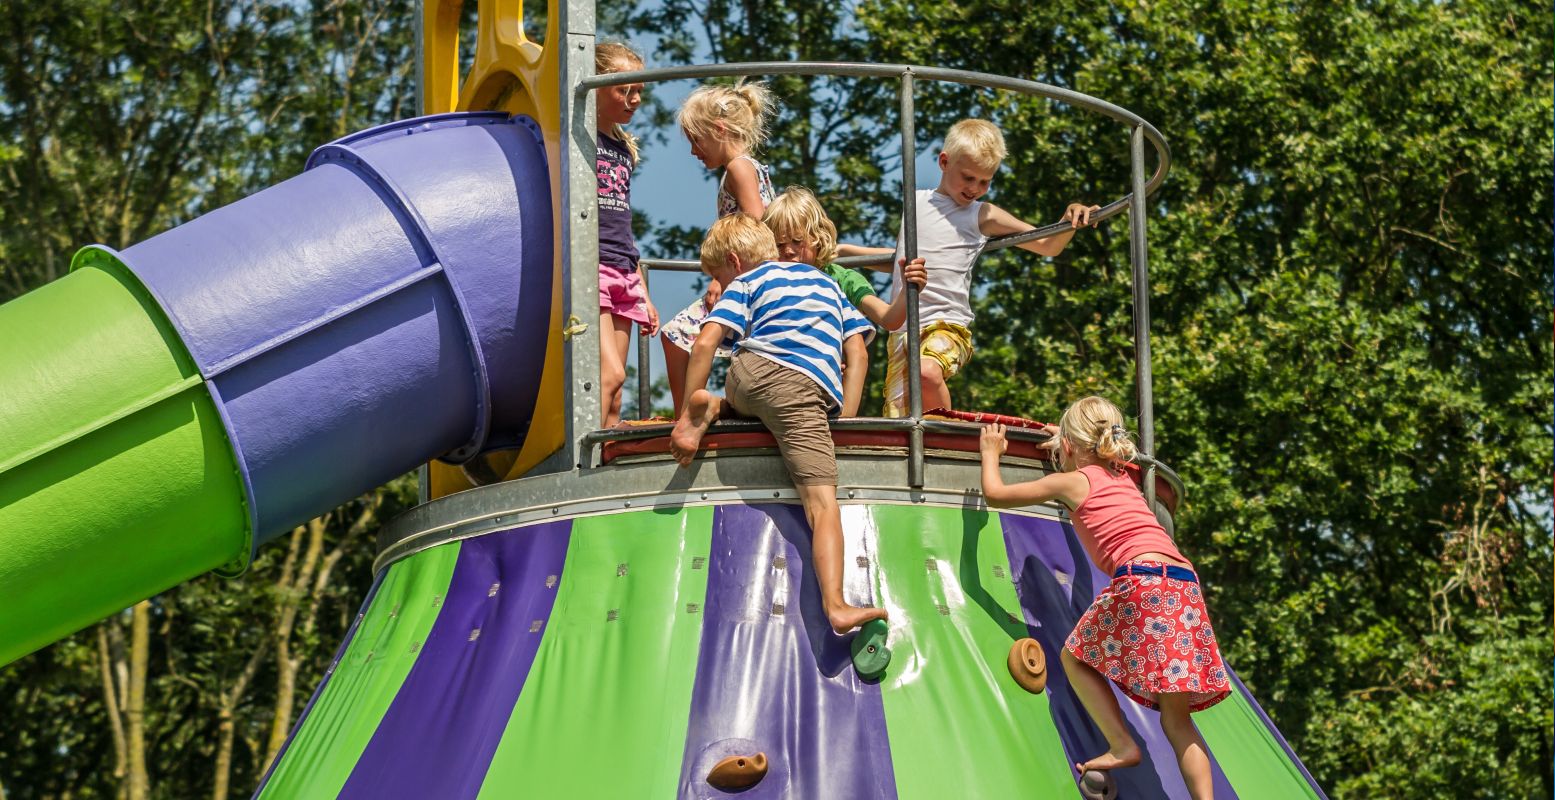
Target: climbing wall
[[627, 654]]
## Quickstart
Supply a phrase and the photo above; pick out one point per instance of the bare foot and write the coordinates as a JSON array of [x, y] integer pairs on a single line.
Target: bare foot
[[701, 411], [845, 618], [1112, 759]]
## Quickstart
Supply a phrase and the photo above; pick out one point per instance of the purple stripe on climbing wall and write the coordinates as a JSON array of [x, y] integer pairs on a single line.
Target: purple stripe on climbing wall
[[1040, 551], [438, 736], [771, 675]]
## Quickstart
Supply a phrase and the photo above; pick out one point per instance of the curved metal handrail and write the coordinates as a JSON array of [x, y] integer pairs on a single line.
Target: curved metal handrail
[[1140, 132], [967, 77]]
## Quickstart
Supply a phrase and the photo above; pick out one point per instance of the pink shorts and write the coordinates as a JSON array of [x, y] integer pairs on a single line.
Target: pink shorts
[[621, 294]]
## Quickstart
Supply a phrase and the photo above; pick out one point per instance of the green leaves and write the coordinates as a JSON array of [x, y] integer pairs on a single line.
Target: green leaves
[[1352, 335]]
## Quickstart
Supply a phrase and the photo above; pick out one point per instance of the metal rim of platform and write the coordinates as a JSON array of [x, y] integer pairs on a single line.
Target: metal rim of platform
[[741, 475]]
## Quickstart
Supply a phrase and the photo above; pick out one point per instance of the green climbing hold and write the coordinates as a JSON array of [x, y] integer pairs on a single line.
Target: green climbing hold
[[870, 655]]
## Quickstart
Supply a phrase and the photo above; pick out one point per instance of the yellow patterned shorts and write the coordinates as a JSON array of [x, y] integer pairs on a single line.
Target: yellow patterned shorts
[[946, 342]]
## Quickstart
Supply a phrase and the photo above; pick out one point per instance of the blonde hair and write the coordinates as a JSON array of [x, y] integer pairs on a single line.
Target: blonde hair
[[741, 235], [1095, 424], [797, 211], [611, 57], [978, 140], [744, 110]]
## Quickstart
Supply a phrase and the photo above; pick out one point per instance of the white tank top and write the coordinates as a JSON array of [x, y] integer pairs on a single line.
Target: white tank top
[[949, 241], [728, 205]]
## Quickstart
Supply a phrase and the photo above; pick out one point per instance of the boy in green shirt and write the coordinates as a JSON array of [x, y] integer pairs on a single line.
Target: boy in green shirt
[[806, 235]]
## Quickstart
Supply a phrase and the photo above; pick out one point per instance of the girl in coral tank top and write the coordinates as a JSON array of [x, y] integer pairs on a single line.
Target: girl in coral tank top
[[1149, 631]]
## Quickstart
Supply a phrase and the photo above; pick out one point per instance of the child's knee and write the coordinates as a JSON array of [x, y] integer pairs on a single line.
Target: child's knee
[[821, 498], [933, 374], [611, 377], [1071, 664], [1174, 710]]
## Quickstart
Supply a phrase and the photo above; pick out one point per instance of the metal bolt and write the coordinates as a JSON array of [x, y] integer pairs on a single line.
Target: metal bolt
[[584, 213], [588, 386]]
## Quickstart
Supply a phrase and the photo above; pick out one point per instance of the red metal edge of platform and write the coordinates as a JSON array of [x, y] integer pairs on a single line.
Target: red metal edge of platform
[[844, 439]]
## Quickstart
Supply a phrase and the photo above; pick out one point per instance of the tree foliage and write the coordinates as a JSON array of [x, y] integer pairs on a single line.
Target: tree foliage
[[1350, 269], [118, 121], [1351, 287]]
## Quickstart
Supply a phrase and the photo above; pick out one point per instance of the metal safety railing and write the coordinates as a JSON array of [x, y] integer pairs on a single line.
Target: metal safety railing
[[1141, 187]]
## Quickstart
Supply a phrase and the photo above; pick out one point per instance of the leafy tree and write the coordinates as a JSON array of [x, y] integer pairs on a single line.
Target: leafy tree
[[116, 122], [1350, 271], [1350, 267]]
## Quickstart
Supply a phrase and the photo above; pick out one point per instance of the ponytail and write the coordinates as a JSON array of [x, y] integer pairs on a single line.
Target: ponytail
[[1115, 445], [742, 111], [1095, 424]]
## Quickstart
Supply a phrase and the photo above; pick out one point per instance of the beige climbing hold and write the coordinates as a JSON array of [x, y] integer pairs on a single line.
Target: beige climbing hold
[[738, 772], [1028, 665]]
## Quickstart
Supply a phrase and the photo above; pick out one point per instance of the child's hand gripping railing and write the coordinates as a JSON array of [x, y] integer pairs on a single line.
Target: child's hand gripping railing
[[1140, 131]]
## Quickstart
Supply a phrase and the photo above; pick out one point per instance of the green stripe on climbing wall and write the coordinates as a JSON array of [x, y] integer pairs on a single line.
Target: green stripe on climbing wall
[[1247, 751], [604, 711], [369, 675], [959, 726]]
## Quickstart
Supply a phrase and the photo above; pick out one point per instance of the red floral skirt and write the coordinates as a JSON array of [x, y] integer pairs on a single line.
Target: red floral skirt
[[1151, 635]]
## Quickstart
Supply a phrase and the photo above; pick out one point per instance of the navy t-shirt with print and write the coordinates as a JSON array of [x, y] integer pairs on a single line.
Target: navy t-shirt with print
[[613, 165]]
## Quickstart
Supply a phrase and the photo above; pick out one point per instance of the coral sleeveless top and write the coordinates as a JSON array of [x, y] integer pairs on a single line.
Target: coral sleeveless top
[[1114, 523]]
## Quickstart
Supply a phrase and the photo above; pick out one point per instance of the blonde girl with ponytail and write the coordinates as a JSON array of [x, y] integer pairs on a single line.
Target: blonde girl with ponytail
[[1148, 632], [725, 126], [623, 300]]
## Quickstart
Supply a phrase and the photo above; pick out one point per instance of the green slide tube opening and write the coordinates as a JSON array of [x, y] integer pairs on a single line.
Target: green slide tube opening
[[116, 477]]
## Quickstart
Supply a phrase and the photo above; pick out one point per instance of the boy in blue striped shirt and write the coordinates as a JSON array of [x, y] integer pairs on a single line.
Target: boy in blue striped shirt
[[791, 329]]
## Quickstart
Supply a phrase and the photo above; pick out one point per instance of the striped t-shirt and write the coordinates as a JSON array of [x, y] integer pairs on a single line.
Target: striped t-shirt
[[792, 314]]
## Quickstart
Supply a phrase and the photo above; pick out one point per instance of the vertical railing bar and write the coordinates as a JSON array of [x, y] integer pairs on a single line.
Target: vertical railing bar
[[423, 472], [643, 412], [421, 57], [910, 251], [580, 229], [1139, 259]]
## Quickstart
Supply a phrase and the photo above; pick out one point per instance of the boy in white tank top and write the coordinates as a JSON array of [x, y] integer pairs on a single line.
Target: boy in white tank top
[[953, 226]]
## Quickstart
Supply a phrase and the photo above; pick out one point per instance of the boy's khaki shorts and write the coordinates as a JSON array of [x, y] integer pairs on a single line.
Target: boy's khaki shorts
[[946, 342], [792, 406]]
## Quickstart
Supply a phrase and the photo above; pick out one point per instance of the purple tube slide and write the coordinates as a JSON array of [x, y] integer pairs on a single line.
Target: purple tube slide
[[386, 306]]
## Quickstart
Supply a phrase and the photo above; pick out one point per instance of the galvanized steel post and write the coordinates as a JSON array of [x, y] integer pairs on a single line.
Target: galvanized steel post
[[1138, 257], [580, 229], [910, 251], [643, 410]]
